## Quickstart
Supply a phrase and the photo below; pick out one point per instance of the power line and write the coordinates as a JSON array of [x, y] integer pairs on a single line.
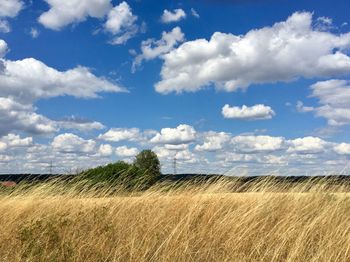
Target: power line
[[174, 164], [51, 167]]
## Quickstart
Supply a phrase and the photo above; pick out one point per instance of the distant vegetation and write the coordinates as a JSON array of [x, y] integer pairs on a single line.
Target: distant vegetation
[[141, 174]]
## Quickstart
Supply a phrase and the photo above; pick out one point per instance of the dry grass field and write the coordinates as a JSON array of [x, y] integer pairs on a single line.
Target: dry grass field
[[221, 221]]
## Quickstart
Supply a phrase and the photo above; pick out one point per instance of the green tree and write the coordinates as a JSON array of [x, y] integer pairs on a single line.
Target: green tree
[[148, 162]]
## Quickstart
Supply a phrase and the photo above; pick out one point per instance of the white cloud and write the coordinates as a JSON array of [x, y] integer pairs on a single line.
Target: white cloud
[[3, 49], [182, 134], [29, 79], [332, 92], [17, 116], [10, 8], [23, 82], [186, 155], [324, 23], [79, 124], [334, 99], [254, 144], [124, 151], [13, 140], [63, 13], [173, 16], [123, 38], [4, 26], [342, 149], [151, 48], [213, 141], [176, 147], [306, 145], [251, 155], [283, 52], [121, 22], [3, 146], [232, 157], [34, 33], [121, 134], [195, 13], [273, 159], [105, 150], [118, 17], [325, 20], [181, 155], [303, 109], [256, 112], [70, 143]]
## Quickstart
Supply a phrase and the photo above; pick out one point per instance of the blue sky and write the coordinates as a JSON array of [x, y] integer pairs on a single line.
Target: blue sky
[[256, 86]]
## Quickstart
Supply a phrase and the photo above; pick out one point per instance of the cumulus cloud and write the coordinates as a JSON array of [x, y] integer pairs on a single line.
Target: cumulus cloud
[[105, 150], [29, 79], [334, 99], [14, 140], [306, 145], [182, 156], [71, 143], [118, 17], [254, 144], [24, 82], [124, 151], [173, 16], [182, 134], [151, 48], [216, 152], [3, 48], [10, 8], [21, 117], [285, 51], [121, 23], [213, 141], [232, 157], [121, 134], [342, 149], [256, 112], [63, 13]]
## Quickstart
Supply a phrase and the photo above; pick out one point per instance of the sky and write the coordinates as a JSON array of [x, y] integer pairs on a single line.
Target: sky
[[235, 87]]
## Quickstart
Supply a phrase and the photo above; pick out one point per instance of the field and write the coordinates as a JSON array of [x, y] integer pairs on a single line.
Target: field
[[225, 220]]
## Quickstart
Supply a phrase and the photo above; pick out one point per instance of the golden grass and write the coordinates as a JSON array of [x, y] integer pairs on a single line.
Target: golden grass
[[265, 221]]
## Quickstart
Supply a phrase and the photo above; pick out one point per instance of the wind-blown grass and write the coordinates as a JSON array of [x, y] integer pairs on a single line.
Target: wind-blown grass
[[223, 220]]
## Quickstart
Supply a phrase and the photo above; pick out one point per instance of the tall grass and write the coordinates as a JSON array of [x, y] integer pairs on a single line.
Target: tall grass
[[223, 220]]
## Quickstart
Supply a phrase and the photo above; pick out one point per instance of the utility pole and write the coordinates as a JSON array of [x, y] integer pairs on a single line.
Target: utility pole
[[51, 167], [174, 164]]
